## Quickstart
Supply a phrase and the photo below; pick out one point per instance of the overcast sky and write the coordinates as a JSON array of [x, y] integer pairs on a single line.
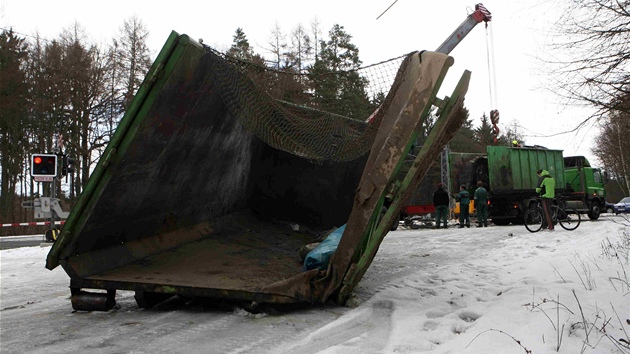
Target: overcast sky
[[519, 32]]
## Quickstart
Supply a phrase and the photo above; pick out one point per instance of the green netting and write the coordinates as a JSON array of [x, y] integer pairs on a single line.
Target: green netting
[[300, 112]]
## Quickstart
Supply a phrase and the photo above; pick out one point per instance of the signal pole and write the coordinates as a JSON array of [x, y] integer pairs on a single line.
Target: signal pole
[[53, 194], [45, 168]]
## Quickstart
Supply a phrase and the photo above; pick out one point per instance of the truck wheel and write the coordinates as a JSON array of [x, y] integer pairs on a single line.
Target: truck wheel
[[594, 211], [394, 225], [501, 222]]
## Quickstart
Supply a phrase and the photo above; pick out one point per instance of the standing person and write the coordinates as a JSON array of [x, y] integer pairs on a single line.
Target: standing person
[[464, 204], [481, 204], [440, 201], [546, 189]]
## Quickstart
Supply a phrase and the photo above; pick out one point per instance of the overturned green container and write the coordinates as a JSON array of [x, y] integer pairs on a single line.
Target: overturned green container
[[187, 201]]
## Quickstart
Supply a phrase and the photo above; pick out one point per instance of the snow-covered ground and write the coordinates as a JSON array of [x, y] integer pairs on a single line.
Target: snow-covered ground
[[477, 290]]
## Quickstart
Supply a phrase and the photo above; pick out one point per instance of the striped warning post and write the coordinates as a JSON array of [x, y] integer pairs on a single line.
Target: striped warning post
[[42, 223]]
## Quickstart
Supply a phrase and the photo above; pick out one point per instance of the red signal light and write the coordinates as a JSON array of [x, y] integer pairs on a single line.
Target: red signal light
[[44, 165]]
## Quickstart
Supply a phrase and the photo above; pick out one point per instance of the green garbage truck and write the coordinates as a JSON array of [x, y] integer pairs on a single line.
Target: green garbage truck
[[509, 174]]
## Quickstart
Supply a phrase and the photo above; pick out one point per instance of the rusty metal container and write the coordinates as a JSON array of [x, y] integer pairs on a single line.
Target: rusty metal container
[[186, 201]]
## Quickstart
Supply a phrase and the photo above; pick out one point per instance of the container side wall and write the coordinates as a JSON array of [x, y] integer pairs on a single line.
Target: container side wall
[[500, 169], [187, 161], [514, 169]]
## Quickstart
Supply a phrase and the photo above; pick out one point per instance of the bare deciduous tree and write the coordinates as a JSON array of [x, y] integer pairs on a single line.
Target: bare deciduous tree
[[65, 88], [302, 48], [84, 67], [317, 36], [133, 56], [592, 53], [592, 67], [613, 148], [278, 46]]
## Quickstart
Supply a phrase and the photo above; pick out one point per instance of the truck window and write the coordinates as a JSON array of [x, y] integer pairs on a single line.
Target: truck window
[[597, 176]]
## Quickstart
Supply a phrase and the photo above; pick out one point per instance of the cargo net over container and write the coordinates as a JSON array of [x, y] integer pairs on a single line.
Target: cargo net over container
[[320, 113]]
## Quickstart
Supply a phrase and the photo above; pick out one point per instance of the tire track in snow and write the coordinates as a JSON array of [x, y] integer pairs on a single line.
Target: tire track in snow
[[365, 331]]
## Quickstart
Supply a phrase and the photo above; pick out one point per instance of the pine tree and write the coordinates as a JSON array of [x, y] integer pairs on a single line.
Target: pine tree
[[464, 139], [484, 135], [240, 48], [13, 113], [338, 88]]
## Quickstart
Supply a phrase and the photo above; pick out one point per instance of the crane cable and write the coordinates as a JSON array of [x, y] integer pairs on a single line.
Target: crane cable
[[492, 83]]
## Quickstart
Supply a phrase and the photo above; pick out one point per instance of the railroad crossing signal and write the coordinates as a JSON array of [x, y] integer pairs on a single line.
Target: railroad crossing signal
[[44, 166]]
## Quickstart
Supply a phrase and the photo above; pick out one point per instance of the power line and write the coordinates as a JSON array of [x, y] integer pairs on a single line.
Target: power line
[[387, 9], [9, 28]]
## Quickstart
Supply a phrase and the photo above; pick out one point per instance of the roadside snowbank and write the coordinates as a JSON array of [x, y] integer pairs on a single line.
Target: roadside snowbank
[[477, 290]]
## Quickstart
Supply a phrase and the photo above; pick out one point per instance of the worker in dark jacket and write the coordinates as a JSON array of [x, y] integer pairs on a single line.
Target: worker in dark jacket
[[440, 201], [546, 189], [464, 204]]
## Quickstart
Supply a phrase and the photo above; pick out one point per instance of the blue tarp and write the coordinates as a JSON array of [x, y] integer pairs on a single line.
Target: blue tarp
[[320, 255]]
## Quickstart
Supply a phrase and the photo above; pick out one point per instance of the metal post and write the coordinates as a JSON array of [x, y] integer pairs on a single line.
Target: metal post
[[446, 175], [53, 195], [53, 189]]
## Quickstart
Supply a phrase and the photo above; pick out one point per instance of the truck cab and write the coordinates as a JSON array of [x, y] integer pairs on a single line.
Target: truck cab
[[584, 186]]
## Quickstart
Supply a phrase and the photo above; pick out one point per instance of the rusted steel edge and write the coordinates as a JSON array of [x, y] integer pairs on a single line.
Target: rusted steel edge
[[375, 182], [451, 120], [229, 294]]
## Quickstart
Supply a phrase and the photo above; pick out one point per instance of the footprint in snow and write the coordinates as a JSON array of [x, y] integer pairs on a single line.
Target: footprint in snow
[[468, 316]]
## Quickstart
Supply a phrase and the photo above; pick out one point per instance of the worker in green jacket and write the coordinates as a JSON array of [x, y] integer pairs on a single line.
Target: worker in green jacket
[[546, 188], [481, 204]]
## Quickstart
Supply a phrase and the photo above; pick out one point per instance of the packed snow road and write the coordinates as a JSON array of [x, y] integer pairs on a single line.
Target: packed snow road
[[426, 291]]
